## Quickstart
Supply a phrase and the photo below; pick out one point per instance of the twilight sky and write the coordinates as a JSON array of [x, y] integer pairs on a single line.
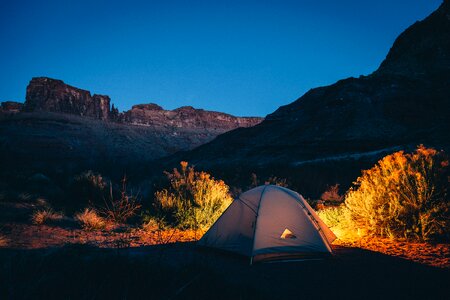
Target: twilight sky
[[240, 57]]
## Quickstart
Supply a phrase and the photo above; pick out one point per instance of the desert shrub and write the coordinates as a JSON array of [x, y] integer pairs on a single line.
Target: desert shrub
[[90, 220], [276, 181], [330, 197], [255, 181], [193, 199], [46, 215], [403, 195], [338, 219], [118, 208], [331, 194]]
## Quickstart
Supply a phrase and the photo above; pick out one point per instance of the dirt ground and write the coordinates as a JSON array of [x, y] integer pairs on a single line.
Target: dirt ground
[[183, 271], [29, 236], [62, 261], [437, 255]]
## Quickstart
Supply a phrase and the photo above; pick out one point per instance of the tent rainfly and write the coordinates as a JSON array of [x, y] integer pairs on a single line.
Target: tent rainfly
[[270, 222]]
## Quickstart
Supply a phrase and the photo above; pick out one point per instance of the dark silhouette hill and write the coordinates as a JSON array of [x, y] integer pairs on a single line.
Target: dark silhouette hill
[[330, 133]]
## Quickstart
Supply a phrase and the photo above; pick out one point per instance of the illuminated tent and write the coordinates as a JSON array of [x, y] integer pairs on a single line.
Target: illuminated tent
[[270, 222]]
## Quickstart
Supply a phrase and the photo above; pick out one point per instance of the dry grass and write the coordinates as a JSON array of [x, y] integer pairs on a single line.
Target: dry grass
[[118, 209], [3, 241], [44, 216], [90, 220]]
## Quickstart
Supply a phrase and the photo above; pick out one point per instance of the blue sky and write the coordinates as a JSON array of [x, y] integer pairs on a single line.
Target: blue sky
[[239, 57]]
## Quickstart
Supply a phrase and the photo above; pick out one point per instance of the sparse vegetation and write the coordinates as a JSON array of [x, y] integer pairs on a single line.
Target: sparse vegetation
[[90, 220], [402, 196], [193, 199], [46, 215], [119, 208], [255, 181]]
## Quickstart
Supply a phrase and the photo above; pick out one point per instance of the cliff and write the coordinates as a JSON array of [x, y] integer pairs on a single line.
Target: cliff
[[11, 107], [51, 95], [187, 117], [46, 94]]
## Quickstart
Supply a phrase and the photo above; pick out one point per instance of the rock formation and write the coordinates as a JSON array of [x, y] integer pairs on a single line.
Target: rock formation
[[64, 129], [187, 117], [46, 94], [11, 106]]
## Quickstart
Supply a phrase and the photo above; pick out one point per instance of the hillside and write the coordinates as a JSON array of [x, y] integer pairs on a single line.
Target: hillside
[[329, 134]]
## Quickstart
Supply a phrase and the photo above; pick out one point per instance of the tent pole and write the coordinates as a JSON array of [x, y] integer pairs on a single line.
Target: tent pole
[[256, 222]]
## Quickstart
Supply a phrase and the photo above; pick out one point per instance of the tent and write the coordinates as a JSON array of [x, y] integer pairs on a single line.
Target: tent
[[270, 222]]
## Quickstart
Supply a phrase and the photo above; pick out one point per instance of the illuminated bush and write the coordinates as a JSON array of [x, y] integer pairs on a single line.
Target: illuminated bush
[[45, 216], [403, 195], [193, 199], [90, 220], [338, 219]]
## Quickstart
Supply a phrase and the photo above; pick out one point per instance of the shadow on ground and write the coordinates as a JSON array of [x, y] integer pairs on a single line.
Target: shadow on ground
[[184, 271]]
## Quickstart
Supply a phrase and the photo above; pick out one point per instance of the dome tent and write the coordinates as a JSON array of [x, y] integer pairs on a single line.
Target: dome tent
[[270, 222]]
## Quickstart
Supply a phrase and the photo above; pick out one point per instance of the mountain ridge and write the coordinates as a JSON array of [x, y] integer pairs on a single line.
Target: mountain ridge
[[53, 95], [62, 130], [405, 102]]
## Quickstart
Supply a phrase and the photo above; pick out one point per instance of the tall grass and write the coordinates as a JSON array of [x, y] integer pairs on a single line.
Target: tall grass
[[193, 199], [402, 196]]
